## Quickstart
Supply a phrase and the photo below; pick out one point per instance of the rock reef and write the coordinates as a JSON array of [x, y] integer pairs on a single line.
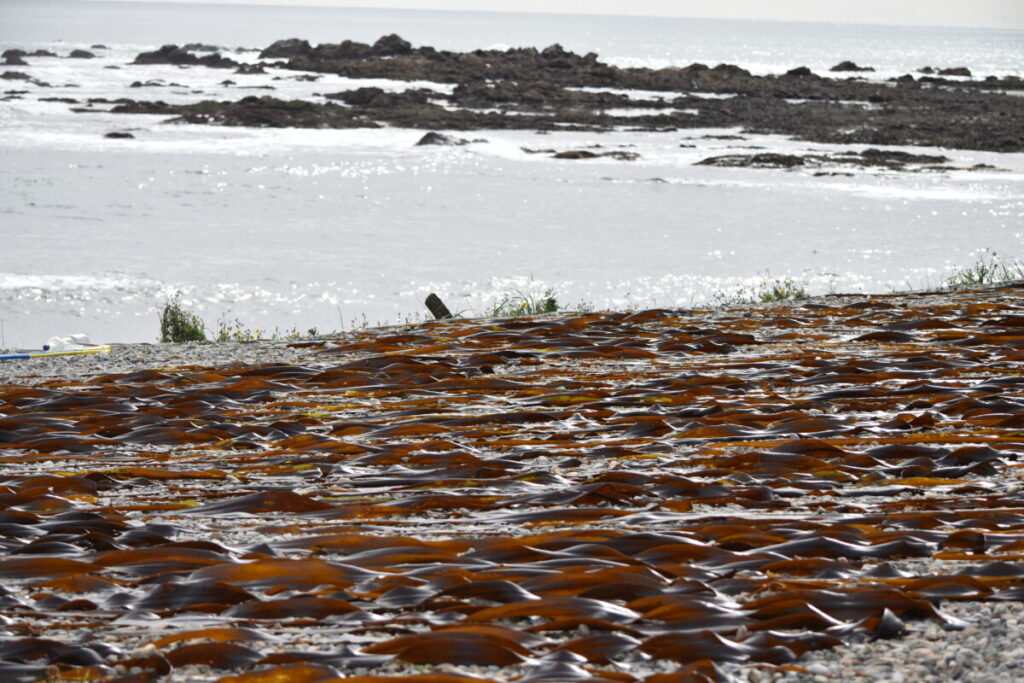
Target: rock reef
[[553, 88]]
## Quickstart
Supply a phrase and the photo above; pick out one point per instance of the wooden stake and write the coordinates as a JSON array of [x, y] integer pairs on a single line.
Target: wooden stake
[[437, 307]]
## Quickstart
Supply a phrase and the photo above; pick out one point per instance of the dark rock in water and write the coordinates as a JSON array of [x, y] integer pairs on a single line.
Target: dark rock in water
[[116, 135], [851, 66], [575, 154], [587, 154], [81, 54], [199, 47], [98, 46], [800, 72], [926, 70], [15, 76], [764, 160], [14, 60], [727, 71], [285, 49], [41, 53], [345, 50], [360, 97], [433, 138], [878, 157], [154, 83], [391, 46], [875, 158], [64, 100], [956, 71], [255, 112], [172, 54], [250, 69], [375, 98], [13, 52]]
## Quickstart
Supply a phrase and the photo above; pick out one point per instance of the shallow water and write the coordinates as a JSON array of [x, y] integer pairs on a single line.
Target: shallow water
[[318, 228]]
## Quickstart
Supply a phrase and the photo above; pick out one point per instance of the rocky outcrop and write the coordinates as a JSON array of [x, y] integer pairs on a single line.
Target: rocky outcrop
[[376, 98], [200, 47], [851, 66], [172, 54], [391, 46], [869, 158], [14, 58], [81, 54], [434, 138], [575, 154], [554, 88], [286, 49], [956, 71], [118, 135], [800, 72]]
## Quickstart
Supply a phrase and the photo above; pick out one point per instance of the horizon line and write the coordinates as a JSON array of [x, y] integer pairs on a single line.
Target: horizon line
[[311, 4]]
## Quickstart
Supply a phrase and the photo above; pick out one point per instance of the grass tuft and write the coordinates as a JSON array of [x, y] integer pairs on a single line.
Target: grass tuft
[[989, 269], [178, 324], [768, 290], [518, 304]]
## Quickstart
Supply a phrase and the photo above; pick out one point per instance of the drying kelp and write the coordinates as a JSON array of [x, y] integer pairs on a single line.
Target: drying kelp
[[661, 495]]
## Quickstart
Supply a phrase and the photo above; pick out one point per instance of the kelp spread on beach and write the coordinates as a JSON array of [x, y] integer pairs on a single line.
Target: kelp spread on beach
[[660, 495]]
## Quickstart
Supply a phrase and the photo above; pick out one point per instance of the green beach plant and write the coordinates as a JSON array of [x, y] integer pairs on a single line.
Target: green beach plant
[[517, 304], [178, 324], [990, 268], [766, 291]]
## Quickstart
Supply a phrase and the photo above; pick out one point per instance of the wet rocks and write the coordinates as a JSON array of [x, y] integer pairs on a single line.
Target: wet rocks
[[554, 88], [14, 58], [799, 72], [285, 49], [118, 135], [81, 54], [376, 98], [539, 96], [956, 71], [575, 154], [391, 46], [172, 54], [763, 160], [257, 112], [434, 138], [200, 47], [250, 69], [851, 66], [869, 158]]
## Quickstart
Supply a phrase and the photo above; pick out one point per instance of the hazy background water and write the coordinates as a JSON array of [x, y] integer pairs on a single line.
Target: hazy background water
[[303, 228]]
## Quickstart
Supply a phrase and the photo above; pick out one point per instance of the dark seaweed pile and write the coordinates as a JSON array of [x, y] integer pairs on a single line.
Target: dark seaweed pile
[[590, 497]]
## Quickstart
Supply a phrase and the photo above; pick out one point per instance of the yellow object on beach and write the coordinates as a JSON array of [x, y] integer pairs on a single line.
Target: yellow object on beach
[[97, 348]]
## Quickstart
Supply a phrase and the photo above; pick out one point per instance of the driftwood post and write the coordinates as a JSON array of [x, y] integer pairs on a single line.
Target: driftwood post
[[437, 307]]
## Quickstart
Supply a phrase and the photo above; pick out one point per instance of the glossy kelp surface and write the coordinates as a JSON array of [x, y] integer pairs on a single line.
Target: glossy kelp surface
[[669, 495]]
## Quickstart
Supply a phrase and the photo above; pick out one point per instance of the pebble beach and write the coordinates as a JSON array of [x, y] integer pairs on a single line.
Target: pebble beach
[[824, 489]]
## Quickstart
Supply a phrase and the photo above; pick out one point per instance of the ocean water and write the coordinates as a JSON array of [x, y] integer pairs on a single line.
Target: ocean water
[[299, 229]]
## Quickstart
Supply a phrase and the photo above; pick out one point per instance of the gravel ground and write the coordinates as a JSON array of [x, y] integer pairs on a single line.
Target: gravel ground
[[983, 643]]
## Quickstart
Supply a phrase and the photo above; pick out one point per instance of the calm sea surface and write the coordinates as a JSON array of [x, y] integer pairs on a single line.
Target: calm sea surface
[[318, 228]]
